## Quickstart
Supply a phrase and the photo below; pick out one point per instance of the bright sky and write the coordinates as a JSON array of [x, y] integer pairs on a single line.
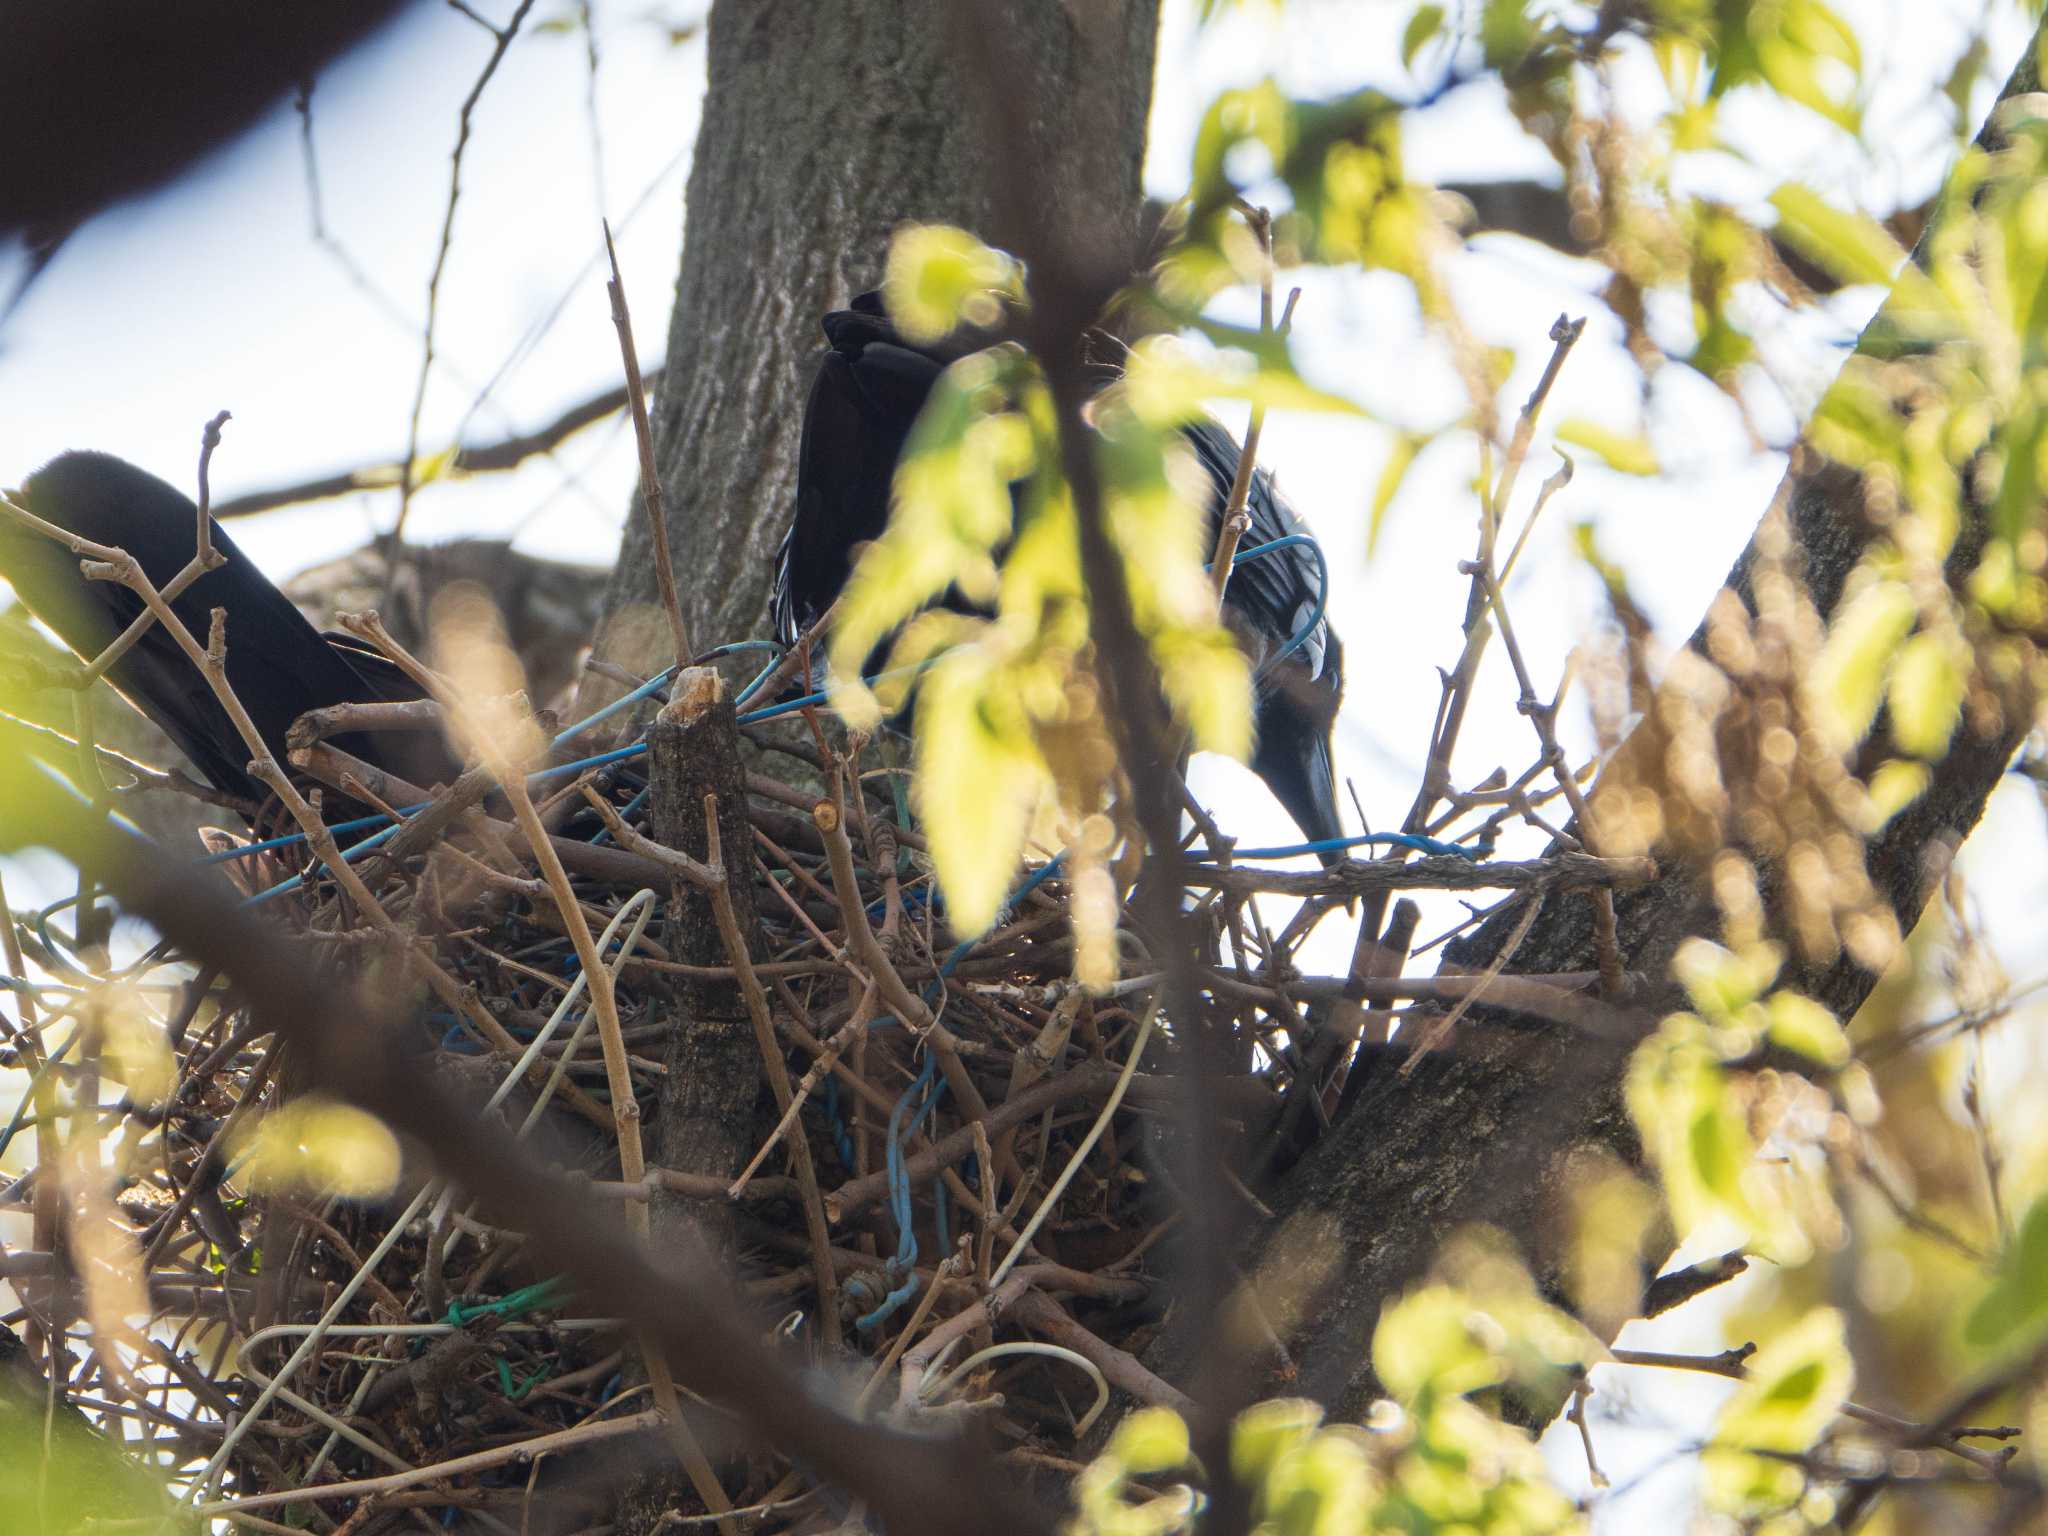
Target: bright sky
[[214, 296]]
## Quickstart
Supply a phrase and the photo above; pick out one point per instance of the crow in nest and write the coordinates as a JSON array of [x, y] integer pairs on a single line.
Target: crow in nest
[[867, 396], [278, 664]]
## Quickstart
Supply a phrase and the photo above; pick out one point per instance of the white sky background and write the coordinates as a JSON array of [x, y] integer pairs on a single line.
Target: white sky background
[[214, 295]]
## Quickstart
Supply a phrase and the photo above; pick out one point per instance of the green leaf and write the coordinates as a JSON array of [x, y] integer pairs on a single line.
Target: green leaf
[[938, 277], [1322, 1486], [1853, 246], [436, 465], [979, 776], [1792, 56], [1167, 384], [2021, 442], [74, 1481], [1848, 680], [1722, 982], [1926, 694], [1896, 785], [1402, 455], [2013, 1314], [1795, 1387], [951, 506], [1800, 1024], [1506, 32], [1151, 1440], [1631, 454], [325, 1146], [1209, 684], [1691, 1124], [1434, 1340], [1425, 24], [1265, 1431]]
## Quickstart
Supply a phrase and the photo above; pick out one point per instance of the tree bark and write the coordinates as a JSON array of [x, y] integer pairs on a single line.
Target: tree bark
[[1480, 1134], [826, 126], [704, 1120]]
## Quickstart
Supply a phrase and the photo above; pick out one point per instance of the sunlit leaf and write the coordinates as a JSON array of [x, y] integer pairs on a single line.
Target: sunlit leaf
[[1321, 1486], [2013, 1313], [1400, 457], [1926, 694], [952, 503], [1721, 982], [1848, 680], [324, 1146], [1895, 785], [426, 471], [1798, 1023], [1507, 32], [1267, 1430], [1795, 1387], [1167, 384], [1434, 1339], [939, 277], [60, 1479], [1854, 246], [1151, 1440], [1692, 1127], [132, 1046], [979, 774], [1631, 454], [1613, 1218], [1425, 24], [1795, 41]]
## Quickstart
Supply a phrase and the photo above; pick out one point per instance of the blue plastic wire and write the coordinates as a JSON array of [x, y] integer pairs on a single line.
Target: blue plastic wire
[[1472, 851], [626, 701], [751, 717], [348, 856], [905, 1260], [899, 1181], [660, 681], [1300, 637], [250, 850], [625, 814]]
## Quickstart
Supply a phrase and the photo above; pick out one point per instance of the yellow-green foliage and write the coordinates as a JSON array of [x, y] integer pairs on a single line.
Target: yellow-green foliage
[[1010, 720], [1431, 1458]]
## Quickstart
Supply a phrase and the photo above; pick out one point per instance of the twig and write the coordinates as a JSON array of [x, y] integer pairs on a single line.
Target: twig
[[828, 815], [650, 475], [497, 1456], [511, 777], [501, 40]]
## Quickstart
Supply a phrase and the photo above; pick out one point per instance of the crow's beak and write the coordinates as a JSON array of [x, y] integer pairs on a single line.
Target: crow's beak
[[1293, 757]]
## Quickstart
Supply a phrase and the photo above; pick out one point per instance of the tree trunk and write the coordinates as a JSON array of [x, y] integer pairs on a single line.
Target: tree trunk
[[1479, 1135], [826, 126]]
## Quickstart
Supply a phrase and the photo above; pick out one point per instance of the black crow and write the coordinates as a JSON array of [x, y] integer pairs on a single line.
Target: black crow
[[867, 396], [278, 665]]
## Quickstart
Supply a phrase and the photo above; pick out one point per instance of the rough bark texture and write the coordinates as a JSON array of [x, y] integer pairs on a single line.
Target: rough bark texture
[[1479, 1135], [704, 1120], [826, 126]]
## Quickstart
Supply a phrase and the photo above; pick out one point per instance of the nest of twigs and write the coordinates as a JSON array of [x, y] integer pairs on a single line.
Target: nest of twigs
[[810, 1051], [939, 1169]]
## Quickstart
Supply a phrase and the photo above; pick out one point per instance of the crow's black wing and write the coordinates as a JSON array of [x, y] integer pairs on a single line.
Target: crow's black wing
[[1276, 594], [866, 399], [278, 665], [1268, 602], [863, 404]]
